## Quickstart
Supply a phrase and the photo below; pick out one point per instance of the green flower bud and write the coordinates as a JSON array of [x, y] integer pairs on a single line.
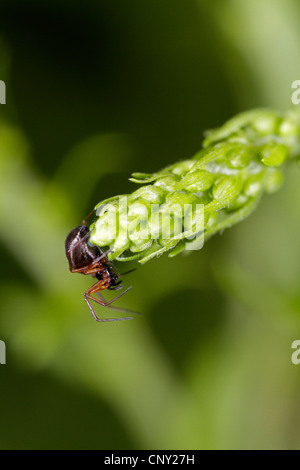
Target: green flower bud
[[151, 194], [169, 183], [138, 210], [289, 128], [267, 124], [274, 154], [183, 167], [253, 185], [239, 157], [239, 202], [175, 202], [226, 189], [196, 181], [140, 248]]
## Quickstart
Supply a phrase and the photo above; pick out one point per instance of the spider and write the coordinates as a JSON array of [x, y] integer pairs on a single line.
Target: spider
[[88, 259]]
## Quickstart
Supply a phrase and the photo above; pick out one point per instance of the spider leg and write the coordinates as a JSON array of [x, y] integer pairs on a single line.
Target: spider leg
[[88, 217], [86, 270], [99, 286], [124, 310]]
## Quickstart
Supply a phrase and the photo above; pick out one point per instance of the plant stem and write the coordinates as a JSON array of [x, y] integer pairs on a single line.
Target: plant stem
[[239, 162]]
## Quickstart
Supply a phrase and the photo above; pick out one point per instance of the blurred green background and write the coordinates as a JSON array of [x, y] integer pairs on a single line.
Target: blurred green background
[[97, 90]]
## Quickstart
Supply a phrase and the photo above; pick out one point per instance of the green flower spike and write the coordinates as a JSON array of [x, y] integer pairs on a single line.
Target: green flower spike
[[216, 189]]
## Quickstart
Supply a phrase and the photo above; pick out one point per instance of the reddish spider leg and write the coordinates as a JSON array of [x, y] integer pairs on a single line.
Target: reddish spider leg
[[88, 217], [96, 289], [92, 270]]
